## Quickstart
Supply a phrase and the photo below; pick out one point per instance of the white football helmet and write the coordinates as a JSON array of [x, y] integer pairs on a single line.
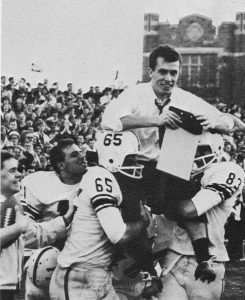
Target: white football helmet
[[41, 265], [209, 149], [118, 152]]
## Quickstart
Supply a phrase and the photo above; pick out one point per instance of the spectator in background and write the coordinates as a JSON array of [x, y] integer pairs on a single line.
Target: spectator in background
[[91, 152], [3, 82], [240, 160], [21, 120], [5, 100], [17, 152], [79, 92], [29, 110], [80, 141], [4, 138], [42, 137], [52, 97], [84, 129], [18, 106], [228, 151], [14, 137], [37, 92], [90, 145], [7, 111], [90, 93], [10, 86], [69, 92], [12, 125], [38, 149], [45, 82], [9, 147]]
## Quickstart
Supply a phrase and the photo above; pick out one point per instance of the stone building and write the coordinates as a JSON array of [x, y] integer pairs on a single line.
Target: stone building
[[213, 60]]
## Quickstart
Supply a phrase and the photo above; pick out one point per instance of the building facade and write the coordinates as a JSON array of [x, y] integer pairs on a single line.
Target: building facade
[[213, 60]]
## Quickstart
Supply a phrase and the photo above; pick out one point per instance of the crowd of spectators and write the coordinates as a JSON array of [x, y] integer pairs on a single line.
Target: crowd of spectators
[[33, 120]]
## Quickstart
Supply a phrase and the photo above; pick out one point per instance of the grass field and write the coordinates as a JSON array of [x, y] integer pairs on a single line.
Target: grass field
[[235, 281]]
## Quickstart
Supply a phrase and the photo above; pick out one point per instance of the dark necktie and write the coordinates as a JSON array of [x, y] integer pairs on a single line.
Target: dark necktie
[[161, 129]]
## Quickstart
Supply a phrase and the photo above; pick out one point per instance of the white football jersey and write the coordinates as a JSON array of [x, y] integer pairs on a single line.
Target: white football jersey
[[97, 203], [221, 186], [45, 196]]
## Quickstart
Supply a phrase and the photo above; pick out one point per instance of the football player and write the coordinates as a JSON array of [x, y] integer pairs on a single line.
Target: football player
[[220, 185], [118, 152], [13, 224], [48, 202], [83, 265]]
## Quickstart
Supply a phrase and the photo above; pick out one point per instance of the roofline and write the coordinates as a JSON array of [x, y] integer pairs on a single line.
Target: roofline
[[198, 15]]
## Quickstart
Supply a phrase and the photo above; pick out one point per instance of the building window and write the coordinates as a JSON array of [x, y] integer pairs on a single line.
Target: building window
[[191, 69]]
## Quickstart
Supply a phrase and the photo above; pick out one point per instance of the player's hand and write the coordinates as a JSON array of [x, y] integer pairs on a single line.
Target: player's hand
[[207, 121], [30, 236], [168, 118], [205, 271], [20, 220]]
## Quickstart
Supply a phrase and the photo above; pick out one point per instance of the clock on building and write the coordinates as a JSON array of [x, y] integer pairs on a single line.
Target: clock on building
[[194, 31]]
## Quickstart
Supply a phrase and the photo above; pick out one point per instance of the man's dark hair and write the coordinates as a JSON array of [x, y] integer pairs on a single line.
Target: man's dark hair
[[57, 154], [167, 52], [239, 157], [5, 155]]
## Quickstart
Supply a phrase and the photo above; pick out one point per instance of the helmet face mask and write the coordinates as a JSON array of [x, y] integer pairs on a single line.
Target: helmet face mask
[[209, 150], [118, 152], [130, 167]]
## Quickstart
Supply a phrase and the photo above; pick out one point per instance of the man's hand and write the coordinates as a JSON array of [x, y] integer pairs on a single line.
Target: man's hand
[[205, 271], [207, 121], [169, 119], [30, 236], [222, 124]]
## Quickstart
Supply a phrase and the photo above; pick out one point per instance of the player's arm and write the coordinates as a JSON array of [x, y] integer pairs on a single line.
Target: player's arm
[[50, 232], [220, 188], [108, 213], [211, 118], [15, 230], [105, 198], [40, 234], [134, 229]]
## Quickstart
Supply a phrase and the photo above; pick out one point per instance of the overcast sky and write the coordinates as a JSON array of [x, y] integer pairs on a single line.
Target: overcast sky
[[86, 41]]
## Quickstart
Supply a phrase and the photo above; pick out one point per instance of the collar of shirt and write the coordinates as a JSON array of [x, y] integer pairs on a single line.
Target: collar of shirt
[[165, 102]]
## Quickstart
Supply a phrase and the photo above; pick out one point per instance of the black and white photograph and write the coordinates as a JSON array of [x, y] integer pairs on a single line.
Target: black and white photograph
[[122, 150]]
